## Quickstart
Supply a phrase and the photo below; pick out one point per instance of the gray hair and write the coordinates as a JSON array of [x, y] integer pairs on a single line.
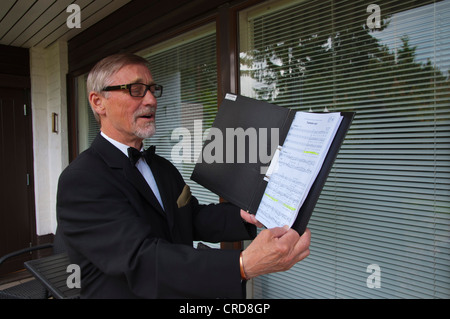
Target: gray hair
[[101, 74]]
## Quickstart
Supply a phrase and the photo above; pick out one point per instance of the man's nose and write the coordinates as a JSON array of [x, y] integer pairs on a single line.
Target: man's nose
[[149, 99]]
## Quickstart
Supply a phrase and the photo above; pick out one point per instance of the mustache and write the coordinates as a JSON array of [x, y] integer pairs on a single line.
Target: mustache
[[145, 111]]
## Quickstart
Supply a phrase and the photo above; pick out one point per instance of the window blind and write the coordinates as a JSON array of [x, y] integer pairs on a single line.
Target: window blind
[[386, 202], [88, 127], [186, 67]]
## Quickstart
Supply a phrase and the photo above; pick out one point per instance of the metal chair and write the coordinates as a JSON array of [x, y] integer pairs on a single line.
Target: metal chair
[[31, 289]]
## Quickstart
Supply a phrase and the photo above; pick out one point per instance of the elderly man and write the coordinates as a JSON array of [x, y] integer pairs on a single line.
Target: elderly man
[[129, 220]]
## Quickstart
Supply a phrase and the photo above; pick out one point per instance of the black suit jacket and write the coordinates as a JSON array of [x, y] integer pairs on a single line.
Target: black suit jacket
[[129, 247]]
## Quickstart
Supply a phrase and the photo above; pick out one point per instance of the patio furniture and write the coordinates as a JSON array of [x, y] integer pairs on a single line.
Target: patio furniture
[[32, 289], [50, 275]]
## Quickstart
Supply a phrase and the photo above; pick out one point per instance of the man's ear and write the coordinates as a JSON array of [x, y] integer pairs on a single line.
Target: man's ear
[[97, 102]]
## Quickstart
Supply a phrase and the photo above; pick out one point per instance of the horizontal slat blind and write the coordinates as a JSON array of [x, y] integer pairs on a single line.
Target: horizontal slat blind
[[386, 201], [88, 127], [187, 69]]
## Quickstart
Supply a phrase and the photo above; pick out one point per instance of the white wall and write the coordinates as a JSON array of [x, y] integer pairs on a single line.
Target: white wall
[[49, 67]]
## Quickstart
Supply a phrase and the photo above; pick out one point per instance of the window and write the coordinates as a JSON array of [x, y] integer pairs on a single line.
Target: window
[[386, 203], [88, 127], [187, 69]]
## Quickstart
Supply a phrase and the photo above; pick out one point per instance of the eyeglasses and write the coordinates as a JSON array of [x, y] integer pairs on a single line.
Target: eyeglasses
[[137, 89]]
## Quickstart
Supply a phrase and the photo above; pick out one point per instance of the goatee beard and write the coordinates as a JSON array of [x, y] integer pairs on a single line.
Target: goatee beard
[[149, 129], [146, 132]]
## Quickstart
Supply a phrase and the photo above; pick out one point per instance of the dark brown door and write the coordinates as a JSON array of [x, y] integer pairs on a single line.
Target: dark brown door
[[16, 169]]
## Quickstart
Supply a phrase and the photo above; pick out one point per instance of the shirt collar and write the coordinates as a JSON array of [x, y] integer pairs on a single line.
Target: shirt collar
[[122, 147]]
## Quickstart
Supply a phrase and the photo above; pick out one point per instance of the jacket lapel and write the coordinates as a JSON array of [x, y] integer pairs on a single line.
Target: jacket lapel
[[165, 189], [115, 159], [139, 182]]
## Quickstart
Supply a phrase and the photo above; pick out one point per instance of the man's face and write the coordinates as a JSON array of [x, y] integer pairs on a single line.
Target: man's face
[[129, 119]]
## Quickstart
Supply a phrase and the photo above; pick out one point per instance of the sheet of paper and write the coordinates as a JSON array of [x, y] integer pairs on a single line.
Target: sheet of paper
[[299, 162]]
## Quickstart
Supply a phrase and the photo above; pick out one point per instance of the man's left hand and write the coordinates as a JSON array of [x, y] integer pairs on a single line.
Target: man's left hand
[[250, 218]]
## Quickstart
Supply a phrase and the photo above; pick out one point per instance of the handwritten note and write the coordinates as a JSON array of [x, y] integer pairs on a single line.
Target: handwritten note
[[299, 162]]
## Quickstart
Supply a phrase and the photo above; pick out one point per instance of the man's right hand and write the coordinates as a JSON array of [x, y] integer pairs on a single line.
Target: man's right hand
[[275, 249]]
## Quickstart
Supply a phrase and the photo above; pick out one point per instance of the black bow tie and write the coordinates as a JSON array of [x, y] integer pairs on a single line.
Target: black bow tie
[[135, 154]]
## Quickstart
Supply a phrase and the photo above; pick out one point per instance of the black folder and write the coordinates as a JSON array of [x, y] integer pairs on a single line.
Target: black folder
[[242, 182]]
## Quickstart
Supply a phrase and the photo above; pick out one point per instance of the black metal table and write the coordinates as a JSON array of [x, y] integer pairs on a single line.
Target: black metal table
[[52, 272]]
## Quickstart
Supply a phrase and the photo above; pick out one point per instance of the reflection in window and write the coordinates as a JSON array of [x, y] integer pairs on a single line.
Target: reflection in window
[[390, 183]]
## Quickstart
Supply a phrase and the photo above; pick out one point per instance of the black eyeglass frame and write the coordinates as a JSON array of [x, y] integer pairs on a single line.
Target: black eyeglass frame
[[158, 88]]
